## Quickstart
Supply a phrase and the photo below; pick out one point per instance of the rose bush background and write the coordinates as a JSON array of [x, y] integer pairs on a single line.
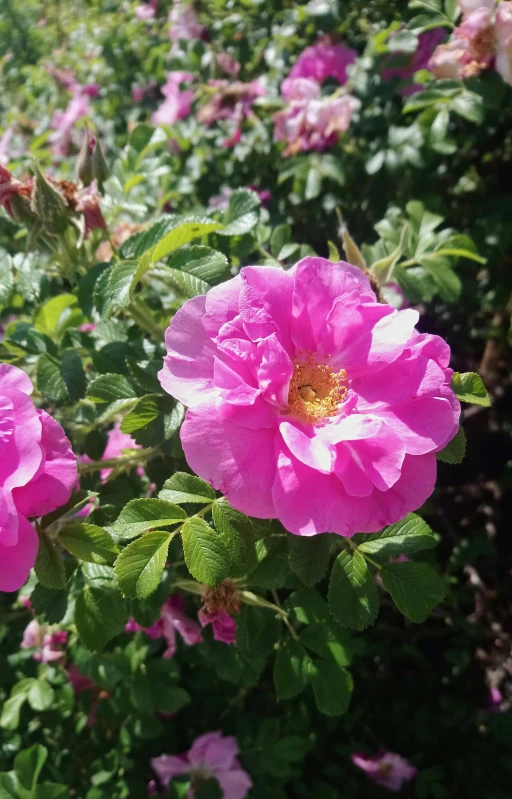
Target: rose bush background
[[178, 123]]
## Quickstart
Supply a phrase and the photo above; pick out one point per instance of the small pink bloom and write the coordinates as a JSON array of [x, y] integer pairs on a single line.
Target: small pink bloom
[[88, 204], [11, 187], [183, 23], [146, 10], [211, 755], [117, 442], [138, 93], [228, 64], [494, 700], [503, 31], [224, 626], [387, 769], [87, 327], [172, 619], [4, 145], [309, 401], [449, 60], [230, 101], [37, 474], [323, 61], [49, 645], [177, 103], [235, 138]]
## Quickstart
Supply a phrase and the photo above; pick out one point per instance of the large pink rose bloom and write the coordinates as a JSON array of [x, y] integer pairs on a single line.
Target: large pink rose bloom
[[37, 473], [211, 755], [308, 400]]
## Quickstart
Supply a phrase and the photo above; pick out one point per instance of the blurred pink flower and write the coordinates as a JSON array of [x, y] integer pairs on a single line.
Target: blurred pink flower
[[468, 6], [471, 47], [116, 443], [177, 103], [494, 700], [80, 684], [49, 645], [4, 145], [228, 64], [230, 101], [63, 122], [310, 121], [211, 755], [11, 187], [146, 10], [183, 23], [172, 619], [224, 626], [308, 400], [88, 204], [387, 769], [37, 474], [427, 43], [503, 31], [323, 61]]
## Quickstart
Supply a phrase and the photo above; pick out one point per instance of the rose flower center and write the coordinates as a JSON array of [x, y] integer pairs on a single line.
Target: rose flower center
[[316, 391]]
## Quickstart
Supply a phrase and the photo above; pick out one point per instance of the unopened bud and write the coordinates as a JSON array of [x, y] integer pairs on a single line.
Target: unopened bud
[[47, 202], [84, 164], [99, 165]]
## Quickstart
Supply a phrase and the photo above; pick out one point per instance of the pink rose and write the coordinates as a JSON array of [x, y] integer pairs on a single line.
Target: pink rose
[[184, 23], [387, 769], [37, 473], [172, 619], [177, 103], [322, 61], [211, 755], [48, 645], [468, 6], [224, 626], [470, 49], [309, 401]]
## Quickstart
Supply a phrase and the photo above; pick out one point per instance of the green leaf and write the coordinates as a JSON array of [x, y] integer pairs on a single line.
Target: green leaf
[[307, 606], [236, 531], [88, 542], [6, 280], [241, 215], [100, 615], [353, 598], [290, 669], [183, 487], [447, 282], [73, 375], [206, 555], [9, 786], [49, 566], [185, 229], [153, 420], [469, 105], [405, 537], [140, 565], [332, 687], [10, 717], [204, 263], [118, 283], [327, 640], [41, 695], [414, 587], [28, 765], [49, 604], [455, 450], [140, 515], [50, 381], [469, 387], [109, 388], [48, 318], [309, 557], [187, 285]]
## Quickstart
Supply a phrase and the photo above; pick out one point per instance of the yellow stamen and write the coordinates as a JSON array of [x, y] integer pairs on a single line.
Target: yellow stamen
[[316, 391]]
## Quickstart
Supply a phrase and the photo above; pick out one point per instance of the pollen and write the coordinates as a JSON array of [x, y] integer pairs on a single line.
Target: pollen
[[316, 391]]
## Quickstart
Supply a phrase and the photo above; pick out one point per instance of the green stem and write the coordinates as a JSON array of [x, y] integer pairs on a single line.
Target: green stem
[[132, 459], [141, 314]]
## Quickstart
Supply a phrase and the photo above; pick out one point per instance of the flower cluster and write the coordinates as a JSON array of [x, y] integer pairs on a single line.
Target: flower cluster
[[309, 401], [311, 121], [37, 473], [483, 38]]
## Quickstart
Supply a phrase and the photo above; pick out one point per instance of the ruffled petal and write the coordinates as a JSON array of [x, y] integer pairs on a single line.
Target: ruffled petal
[[371, 462], [236, 460], [318, 283], [308, 449], [15, 378], [275, 371], [187, 373], [265, 303], [234, 784], [16, 561]]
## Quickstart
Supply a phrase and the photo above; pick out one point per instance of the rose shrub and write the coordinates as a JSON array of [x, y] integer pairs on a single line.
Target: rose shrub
[[254, 258]]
